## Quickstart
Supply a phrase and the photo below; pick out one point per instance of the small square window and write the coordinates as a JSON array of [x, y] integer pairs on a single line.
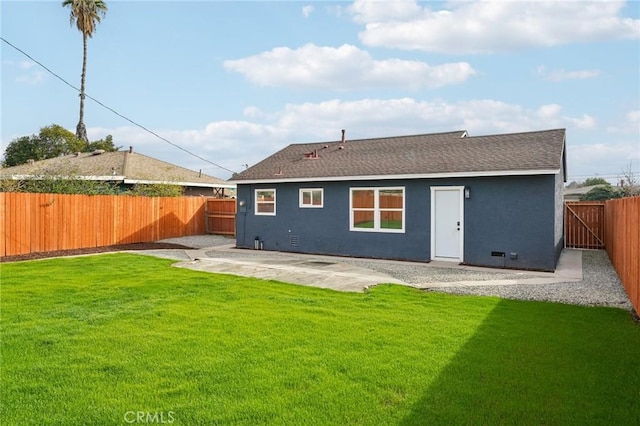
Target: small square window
[[311, 198], [265, 202]]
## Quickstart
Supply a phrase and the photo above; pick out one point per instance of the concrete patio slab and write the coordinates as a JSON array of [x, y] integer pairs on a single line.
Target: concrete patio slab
[[343, 274], [336, 276]]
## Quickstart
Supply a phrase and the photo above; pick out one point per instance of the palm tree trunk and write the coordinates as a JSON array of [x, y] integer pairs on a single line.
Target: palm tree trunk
[[81, 130]]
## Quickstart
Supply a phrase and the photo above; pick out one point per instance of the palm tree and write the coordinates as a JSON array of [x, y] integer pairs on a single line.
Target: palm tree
[[86, 14]]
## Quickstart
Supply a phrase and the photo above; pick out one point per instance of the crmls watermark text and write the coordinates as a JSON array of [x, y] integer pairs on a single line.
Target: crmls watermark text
[[159, 417]]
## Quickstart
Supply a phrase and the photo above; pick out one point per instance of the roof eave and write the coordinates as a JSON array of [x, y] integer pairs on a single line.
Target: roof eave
[[123, 179], [492, 173]]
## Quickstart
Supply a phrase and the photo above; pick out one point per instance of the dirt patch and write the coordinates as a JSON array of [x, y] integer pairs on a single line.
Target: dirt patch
[[91, 250]]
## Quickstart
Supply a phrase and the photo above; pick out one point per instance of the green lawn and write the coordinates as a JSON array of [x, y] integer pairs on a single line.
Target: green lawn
[[384, 224], [87, 340]]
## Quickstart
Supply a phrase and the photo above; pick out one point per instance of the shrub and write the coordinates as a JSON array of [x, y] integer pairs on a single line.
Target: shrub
[[601, 193], [157, 190]]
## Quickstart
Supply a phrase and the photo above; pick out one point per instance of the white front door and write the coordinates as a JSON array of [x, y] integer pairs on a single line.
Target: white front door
[[447, 223]]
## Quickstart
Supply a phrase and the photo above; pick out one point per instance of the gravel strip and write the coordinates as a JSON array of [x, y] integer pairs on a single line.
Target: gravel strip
[[600, 285]]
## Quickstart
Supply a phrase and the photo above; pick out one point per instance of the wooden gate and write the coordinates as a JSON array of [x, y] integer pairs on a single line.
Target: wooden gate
[[221, 216], [584, 224]]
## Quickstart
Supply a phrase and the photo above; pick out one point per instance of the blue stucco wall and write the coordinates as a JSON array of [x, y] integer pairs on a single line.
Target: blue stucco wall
[[504, 214], [511, 215]]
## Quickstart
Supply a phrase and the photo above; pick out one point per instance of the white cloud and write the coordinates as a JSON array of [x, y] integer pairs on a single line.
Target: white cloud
[[365, 12], [25, 65], [629, 124], [234, 143], [585, 122], [33, 77], [375, 117], [551, 112], [27, 72], [343, 68], [229, 144], [489, 26], [307, 10], [608, 158], [561, 74]]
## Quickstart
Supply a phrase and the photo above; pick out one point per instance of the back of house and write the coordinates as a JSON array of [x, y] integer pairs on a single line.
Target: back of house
[[492, 200]]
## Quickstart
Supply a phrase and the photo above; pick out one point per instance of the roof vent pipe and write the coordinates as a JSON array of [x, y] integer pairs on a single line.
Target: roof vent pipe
[[130, 150], [343, 135]]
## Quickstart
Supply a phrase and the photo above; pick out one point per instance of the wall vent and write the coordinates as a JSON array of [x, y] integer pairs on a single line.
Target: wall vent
[[294, 240]]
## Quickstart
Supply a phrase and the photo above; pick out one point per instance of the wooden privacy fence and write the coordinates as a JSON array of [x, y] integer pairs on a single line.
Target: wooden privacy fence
[[221, 216], [584, 225], [622, 242], [47, 222]]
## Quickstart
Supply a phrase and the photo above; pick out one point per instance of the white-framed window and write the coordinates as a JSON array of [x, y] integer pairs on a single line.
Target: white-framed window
[[265, 202], [377, 209], [311, 198]]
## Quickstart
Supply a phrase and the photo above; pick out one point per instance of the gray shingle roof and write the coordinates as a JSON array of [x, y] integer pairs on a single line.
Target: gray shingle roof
[[120, 166], [436, 154]]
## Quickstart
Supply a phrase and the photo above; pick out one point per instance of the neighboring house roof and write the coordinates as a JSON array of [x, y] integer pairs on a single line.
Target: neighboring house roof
[[120, 166], [571, 194], [452, 154]]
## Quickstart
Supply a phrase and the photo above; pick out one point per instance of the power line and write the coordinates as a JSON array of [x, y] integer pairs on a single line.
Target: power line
[[116, 112]]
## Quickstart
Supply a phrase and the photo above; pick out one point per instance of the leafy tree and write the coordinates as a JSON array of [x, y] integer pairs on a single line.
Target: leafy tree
[[21, 150], [595, 181], [60, 140], [601, 193], [106, 144], [86, 14], [51, 141]]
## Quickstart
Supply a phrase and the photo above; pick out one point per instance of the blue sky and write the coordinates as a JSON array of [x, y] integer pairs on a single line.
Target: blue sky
[[234, 82]]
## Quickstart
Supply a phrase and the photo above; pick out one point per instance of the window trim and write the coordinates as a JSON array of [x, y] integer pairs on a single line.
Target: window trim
[[376, 209], [311, 206], [256, 202]]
